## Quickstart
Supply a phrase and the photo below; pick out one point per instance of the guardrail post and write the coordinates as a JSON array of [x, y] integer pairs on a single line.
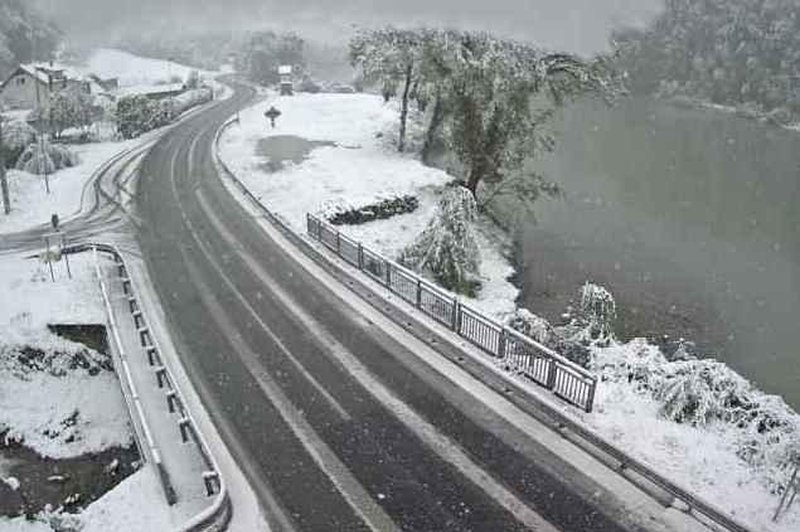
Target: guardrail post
[[211, 481], [388, 267], [360, 256], [456, 315], [184, 425], [171, 400], [501, 344], [590, 398], [308, 224], [551, 374], [419, 292]]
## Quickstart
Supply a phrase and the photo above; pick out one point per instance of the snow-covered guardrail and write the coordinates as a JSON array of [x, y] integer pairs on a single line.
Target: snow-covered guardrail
[[543, 366], [216, 516]]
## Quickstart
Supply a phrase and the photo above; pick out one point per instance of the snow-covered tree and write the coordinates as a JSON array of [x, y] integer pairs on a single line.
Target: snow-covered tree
[[734, 52], [599, 309], [265, 51], [21, 26], [17, 136], [392, 59], [72, 108], [447, 250]]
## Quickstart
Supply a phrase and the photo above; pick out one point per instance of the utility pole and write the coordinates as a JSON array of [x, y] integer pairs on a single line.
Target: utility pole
[[42, 155], [3, 178]]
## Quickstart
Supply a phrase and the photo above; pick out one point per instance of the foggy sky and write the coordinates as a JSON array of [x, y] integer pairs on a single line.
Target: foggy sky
[[580, 26]]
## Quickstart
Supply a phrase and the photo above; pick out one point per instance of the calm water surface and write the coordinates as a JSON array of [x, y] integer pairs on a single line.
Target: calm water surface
[[691, 218]]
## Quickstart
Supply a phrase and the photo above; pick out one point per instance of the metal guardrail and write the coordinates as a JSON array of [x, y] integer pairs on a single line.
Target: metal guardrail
[[643, 476], [543, 366], [217, 515]]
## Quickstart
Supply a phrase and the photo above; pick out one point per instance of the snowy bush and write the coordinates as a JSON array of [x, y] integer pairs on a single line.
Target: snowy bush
[[562, 340], [17, 136], [380, 210], [446, 250], [138, 114], [599, 309], [764, 430], [45, 157]]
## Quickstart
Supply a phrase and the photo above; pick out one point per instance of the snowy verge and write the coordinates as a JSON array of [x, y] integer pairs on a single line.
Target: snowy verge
[[360, 168], [49, 386], [31, 205]]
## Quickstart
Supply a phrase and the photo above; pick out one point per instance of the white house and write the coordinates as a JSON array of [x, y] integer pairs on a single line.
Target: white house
[[286, 84], [31, 85]]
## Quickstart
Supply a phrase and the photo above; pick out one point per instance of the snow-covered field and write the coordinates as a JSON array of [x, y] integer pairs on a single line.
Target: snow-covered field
[[363, 167], [132, 70]]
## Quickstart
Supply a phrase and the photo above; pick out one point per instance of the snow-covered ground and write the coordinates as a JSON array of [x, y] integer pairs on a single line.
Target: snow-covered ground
[[134, 505], [31, 204], [363, 167], [35, 404], [132, 70]]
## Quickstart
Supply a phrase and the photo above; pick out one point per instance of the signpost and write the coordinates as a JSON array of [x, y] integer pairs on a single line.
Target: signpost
[[272, 114], [59, 239]]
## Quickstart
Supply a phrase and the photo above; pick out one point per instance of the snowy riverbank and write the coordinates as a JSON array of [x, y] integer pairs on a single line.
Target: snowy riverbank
[[295, 177]]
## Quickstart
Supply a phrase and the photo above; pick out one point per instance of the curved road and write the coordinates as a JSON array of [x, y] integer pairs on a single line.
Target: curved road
[[337, 425]]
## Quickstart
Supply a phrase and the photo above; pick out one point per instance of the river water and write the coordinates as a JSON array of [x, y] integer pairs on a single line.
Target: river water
[[690, 217]]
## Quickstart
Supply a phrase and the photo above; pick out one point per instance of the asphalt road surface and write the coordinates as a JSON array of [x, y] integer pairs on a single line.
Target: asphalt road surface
[[337, 425]]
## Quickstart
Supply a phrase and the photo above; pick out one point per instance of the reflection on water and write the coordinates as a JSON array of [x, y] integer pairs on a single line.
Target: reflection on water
[[691, 218]]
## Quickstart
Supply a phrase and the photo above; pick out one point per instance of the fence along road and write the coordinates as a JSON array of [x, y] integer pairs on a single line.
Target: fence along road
[[540, 364], [337, 425]]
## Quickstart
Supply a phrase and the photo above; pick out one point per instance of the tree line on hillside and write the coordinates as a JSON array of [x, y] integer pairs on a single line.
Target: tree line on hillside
[[743, 53], [25, 35]]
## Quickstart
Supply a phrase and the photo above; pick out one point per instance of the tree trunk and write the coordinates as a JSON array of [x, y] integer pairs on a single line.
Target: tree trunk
[[404, 109], [437, 117], [3, 179]]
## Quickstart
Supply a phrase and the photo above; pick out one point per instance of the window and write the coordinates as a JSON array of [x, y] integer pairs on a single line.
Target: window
[[21, 80]]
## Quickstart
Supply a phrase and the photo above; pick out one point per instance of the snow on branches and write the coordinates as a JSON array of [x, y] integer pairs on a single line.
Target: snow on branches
[[45, 158], [447, 250]]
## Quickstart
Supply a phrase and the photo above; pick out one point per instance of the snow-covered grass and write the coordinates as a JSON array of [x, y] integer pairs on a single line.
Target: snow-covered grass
[[30, 203], [36, 404], [362, 168]]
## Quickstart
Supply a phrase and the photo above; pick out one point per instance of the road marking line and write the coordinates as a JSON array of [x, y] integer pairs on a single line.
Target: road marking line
[[353, 492], [442, 445]]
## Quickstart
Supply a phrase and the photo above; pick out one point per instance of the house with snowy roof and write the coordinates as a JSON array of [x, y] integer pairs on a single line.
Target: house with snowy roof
[[30, 85]]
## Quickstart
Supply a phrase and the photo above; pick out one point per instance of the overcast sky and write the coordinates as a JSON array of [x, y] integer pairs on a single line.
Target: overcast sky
[[572, 25]]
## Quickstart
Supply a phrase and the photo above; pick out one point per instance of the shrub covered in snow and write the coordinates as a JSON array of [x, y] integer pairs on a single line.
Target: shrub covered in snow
[[381, 210], [17, 136], [447, 250], [707, 393], [138, 114], [599, 309], [45, 157], [562, 340]]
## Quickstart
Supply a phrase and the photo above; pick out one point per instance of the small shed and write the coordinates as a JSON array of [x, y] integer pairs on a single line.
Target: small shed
[[286, 84]]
